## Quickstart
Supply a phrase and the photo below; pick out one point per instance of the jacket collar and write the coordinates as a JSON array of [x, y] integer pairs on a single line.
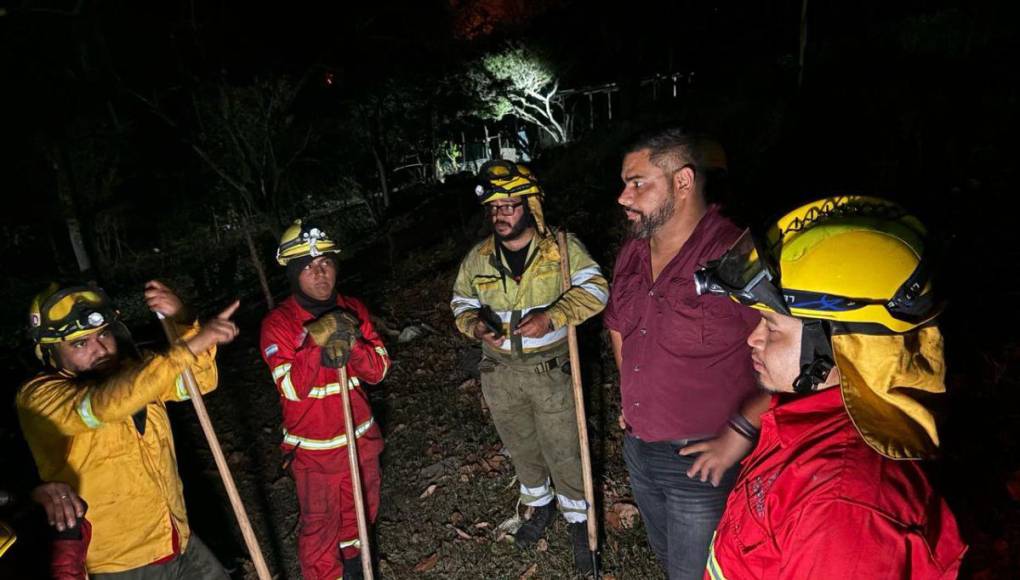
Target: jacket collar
[[797, 416]]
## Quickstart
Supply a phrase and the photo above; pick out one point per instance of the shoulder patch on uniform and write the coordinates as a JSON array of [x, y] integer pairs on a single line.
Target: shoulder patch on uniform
[[271, 350]]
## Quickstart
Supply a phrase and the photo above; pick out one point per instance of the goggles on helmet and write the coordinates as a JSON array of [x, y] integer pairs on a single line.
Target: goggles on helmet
[[746, 274], [71, 313]]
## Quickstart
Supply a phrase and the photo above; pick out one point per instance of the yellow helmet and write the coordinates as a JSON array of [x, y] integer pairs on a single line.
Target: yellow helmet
[[852, 259], [59, 314], [300, 240], [856, 271], [502, 179]]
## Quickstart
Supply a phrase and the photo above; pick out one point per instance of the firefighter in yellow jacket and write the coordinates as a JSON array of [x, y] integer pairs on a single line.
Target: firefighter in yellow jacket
[[96, 418], [509, 295]]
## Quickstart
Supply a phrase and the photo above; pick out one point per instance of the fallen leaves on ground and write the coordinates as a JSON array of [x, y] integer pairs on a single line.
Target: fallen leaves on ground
[[428, 563], [622, 515], [428, 491]]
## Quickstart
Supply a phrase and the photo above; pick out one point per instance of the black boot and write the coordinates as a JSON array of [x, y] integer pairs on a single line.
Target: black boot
[[352, 568], [533, 529], [582, 554]]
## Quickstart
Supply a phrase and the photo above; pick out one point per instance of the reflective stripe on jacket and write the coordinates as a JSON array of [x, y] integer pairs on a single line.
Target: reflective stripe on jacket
[[482, 281], [81, 432], [310, 393]]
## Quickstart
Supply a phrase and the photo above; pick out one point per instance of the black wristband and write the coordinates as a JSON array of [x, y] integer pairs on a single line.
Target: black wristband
[[741, 425]]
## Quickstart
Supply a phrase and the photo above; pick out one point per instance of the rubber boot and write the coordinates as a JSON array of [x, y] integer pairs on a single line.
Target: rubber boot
[[352, 568], [582, 553], [530, 532]]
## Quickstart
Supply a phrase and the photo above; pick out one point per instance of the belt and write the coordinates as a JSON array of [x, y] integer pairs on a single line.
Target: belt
[[555, 362], [673, 442]]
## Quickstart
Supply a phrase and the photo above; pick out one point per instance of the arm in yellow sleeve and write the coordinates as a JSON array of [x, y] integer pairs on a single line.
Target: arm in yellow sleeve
[[588, 292], [204, 369], [73, 406], [465, 303]]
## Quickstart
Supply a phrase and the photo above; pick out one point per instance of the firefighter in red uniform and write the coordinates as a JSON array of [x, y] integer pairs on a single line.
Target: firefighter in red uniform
[[305, 340], [848, 343]]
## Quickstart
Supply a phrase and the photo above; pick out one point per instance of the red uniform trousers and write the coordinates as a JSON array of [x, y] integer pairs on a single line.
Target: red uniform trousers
[[329, 525]]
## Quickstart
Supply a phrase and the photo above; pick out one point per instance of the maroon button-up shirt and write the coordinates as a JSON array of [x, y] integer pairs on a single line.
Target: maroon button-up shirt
[[686, 364]]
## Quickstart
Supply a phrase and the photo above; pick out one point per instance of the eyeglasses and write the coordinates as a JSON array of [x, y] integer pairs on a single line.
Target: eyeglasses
[[504, 210]]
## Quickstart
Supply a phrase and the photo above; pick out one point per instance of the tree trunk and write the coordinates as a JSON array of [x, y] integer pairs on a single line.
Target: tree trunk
[[70, 215], [257, 263], [78, 244], [380, 168]]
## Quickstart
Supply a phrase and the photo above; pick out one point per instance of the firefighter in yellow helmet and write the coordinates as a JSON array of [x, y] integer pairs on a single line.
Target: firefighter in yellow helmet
[[304, 341], [509, 295], [96, 418], [849, 346]]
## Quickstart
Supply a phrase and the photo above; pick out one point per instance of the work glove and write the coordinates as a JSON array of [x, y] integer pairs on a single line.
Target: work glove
[[335, 332]]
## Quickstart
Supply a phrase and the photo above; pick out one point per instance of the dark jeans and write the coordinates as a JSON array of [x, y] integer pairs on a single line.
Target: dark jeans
[[680, 513], [196, 563]]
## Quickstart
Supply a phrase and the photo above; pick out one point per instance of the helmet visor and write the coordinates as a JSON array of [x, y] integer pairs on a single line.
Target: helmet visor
[[743, 273]]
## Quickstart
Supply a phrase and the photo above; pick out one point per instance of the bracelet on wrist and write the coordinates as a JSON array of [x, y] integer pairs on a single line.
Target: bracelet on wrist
[[741, 425]]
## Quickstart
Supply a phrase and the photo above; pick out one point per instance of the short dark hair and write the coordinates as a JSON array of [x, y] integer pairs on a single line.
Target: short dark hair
[[671, 148]]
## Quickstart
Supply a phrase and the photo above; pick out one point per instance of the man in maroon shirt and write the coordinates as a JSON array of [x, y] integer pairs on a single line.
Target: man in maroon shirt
[[690, 406], [848, 342]]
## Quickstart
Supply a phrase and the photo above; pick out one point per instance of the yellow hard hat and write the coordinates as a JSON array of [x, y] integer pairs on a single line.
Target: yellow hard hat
[[851, 259], [502, 179], [59, 314], [856, 271], [301, 240]]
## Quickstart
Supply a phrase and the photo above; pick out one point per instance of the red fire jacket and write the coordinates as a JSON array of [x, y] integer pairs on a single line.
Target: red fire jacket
[[814, 501], [313, 420]]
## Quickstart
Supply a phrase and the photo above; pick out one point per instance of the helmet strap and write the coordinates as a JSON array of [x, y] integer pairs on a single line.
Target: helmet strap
[[816, 358]]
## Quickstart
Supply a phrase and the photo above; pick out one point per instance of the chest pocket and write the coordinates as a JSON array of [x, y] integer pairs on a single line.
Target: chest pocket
[[722, 326], [544, 285], [745, 525], [490, 291], [685, 318]]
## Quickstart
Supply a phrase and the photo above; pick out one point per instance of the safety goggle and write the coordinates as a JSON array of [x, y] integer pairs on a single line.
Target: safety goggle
[[744, 273], [71, 311], [502, 170]]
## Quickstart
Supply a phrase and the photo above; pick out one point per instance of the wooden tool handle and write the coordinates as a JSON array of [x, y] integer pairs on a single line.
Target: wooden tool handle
[[221, 462]]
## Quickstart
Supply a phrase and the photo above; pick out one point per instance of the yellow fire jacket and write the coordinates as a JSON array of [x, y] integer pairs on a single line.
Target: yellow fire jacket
[[81, 432], [484, 281]]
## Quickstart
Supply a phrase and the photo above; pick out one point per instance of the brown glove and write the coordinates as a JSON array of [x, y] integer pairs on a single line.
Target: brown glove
[[336, 332]]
